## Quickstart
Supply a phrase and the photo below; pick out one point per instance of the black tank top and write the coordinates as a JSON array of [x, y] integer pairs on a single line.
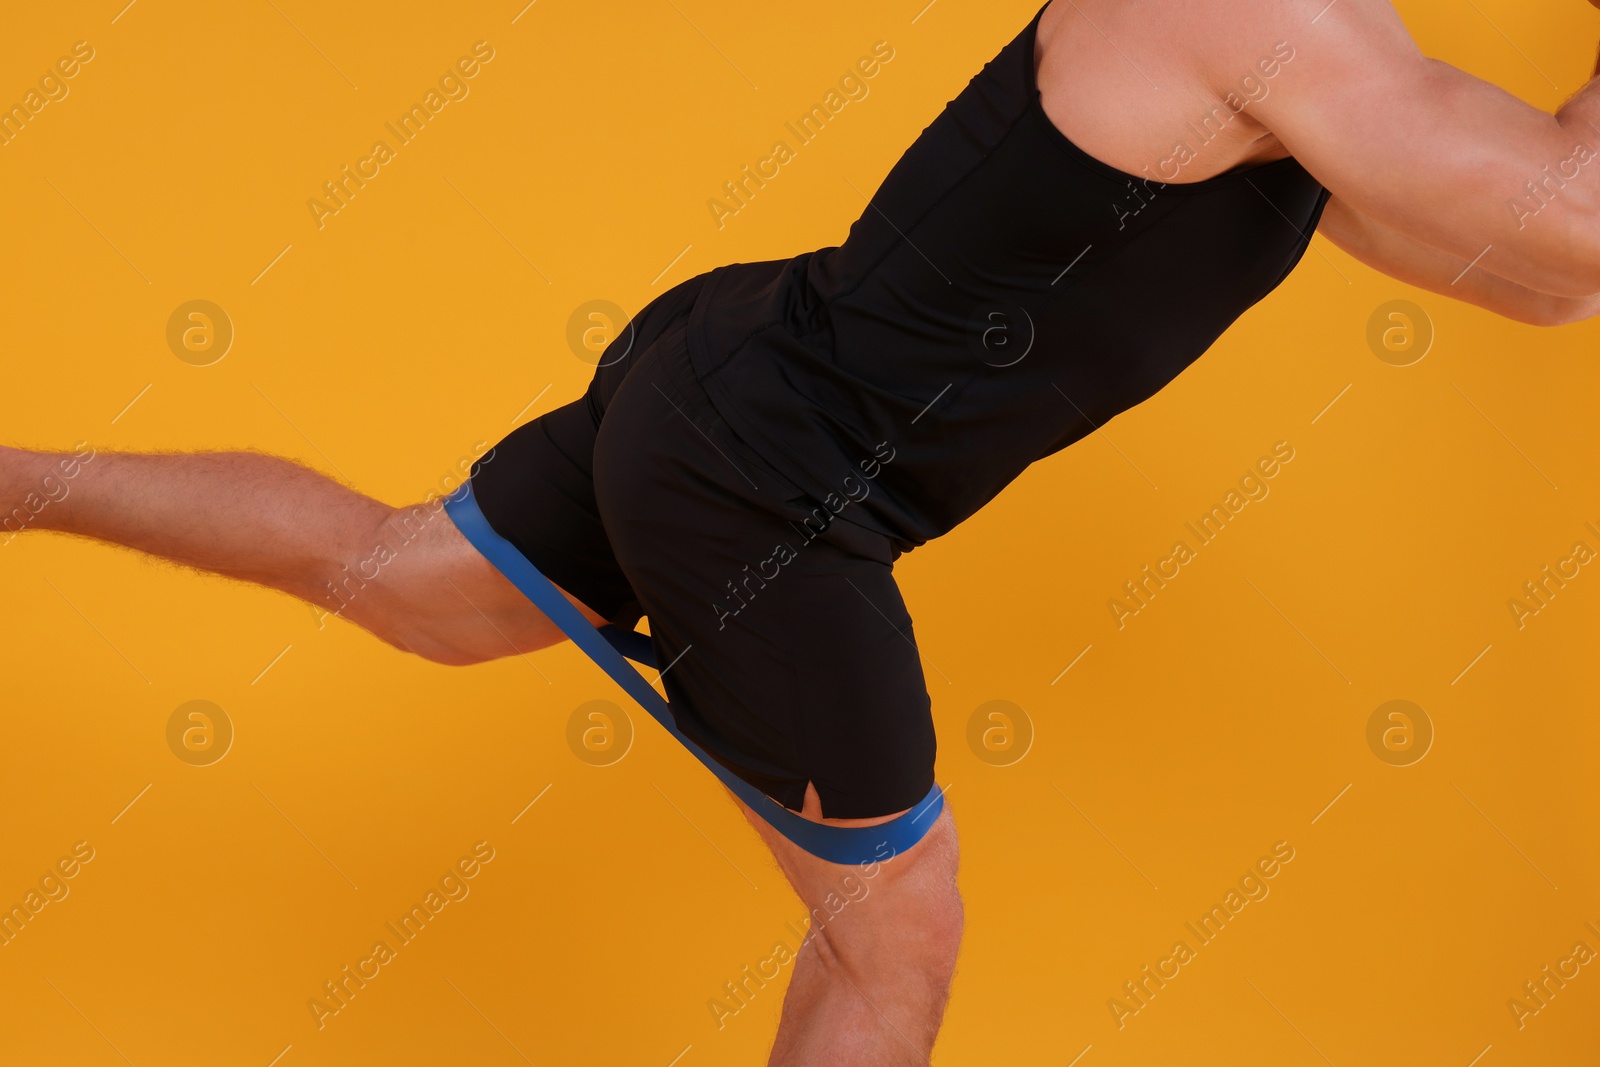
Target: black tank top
[[1003, 295]]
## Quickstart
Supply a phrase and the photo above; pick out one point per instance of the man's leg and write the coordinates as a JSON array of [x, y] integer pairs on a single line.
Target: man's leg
[[405, 574], [871, 982]]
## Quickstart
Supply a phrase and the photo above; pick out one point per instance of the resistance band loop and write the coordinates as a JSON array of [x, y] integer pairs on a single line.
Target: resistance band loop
[[611, 648]]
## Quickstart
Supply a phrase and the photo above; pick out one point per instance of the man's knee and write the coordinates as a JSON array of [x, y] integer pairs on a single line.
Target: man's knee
[[910, 938], [425, 589], [406, 582], [910, 915]]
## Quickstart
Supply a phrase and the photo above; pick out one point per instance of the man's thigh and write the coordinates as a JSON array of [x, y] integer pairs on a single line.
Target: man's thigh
[[925, 872], [886, 931], [789, 652], [817, 677]]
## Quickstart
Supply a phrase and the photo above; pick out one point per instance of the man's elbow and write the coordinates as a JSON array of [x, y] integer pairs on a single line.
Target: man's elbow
[[1581, 281], [1562, 310]]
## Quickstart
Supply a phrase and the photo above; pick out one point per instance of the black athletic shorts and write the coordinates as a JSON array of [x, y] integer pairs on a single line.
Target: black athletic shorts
[[791, 654]]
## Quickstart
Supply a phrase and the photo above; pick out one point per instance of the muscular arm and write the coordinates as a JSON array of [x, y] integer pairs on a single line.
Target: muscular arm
[[1426, 267], [1424, 156]]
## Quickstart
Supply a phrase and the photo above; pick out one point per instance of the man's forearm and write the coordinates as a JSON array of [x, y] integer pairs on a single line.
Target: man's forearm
[[1410, 261]]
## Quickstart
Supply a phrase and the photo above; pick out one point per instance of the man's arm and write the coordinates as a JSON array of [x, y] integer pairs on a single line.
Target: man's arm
[[1596, 74], [1433, 154], [1426, 267]]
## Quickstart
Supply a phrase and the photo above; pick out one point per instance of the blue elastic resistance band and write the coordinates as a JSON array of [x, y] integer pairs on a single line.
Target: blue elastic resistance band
[[612, 648]]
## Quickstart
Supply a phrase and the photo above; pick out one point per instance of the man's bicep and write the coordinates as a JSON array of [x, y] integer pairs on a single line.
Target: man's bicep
[[1436, 154]]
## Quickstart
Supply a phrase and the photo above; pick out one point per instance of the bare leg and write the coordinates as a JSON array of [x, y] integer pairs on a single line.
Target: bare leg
[[405, 574], [871, 983]]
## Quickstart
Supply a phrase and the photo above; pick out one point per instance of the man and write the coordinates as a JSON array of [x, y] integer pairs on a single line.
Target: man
[[1123, 181]]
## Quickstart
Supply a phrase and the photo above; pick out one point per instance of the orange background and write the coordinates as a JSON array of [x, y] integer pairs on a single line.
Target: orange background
[[433, 309]]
